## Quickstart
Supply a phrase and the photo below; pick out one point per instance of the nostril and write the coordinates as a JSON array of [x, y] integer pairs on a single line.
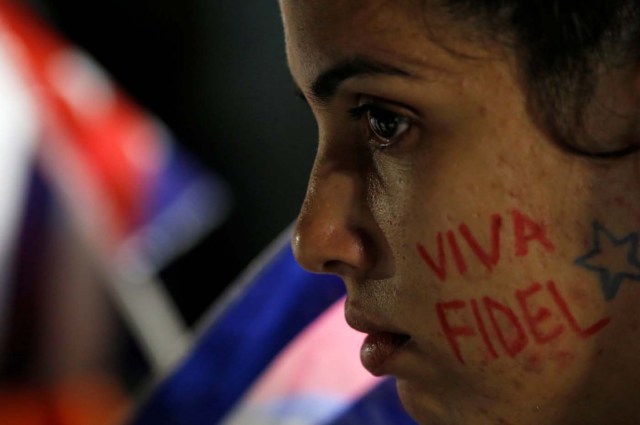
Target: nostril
[[332, 266]]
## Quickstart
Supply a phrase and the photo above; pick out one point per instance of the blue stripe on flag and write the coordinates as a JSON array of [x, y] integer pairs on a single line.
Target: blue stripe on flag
[[28, 262], [179, 174], [280, 300]]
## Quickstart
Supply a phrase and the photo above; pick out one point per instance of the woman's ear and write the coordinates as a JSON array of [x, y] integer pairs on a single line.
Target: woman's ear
[[612, 117]]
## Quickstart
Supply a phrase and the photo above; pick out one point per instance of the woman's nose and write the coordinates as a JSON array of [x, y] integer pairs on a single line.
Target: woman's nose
[[334, 229]]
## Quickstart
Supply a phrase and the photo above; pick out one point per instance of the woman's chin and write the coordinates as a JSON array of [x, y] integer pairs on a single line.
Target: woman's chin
[[425, 407]]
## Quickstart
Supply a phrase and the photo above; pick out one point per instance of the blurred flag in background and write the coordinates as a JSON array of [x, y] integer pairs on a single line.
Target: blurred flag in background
[[92, 189], [275, 350]]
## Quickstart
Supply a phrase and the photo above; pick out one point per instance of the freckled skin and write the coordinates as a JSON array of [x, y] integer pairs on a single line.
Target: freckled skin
[[473, 151]]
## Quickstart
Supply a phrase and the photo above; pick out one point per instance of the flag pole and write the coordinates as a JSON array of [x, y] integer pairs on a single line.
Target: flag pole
[[153, 318]]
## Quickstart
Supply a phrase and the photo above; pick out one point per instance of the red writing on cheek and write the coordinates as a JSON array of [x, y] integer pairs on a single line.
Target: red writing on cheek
[[536, 320], [564, 308], [519, 339], [461, 264], [483, 330], [489, 260], [525, 231], [452, 333], [440, 269], [512, 333]]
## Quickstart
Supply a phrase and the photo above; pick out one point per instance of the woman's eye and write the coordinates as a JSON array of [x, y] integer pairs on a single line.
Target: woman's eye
[[385, 125]]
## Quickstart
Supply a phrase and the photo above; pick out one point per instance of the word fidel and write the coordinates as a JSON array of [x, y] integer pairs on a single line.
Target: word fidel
[[507, 327], [525, 231]]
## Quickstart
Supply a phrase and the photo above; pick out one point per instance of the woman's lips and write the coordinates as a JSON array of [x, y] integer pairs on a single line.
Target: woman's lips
[[378, 348]]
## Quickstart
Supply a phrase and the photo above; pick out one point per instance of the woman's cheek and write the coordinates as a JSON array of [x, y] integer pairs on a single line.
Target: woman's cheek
[[498, 290]]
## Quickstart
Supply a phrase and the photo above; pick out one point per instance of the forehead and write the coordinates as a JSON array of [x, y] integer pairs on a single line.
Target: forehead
[[412, 34], [310, 16]]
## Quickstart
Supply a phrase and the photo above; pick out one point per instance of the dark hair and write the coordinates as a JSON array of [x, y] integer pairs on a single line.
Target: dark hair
[[563, 47]]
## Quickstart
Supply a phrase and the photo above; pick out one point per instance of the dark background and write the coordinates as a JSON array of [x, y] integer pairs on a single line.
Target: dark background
[[215, 72]]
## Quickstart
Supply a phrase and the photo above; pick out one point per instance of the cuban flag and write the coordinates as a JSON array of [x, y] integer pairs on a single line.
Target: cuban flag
[[133, 199], [275, 350]]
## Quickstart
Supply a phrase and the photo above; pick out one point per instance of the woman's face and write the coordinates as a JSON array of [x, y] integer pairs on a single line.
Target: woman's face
[[495, 273]]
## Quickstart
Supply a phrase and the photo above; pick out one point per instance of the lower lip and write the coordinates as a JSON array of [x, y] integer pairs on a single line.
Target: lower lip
[[378, 349]]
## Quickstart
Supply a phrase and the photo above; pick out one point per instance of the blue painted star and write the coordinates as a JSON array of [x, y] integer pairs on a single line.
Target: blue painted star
[[615, 259]]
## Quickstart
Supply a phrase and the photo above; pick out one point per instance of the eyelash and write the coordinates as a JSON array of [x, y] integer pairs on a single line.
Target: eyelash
[[370, 110]]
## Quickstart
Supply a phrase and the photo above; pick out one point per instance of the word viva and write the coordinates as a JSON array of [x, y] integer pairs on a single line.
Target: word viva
[[525, 230], [500, 326]]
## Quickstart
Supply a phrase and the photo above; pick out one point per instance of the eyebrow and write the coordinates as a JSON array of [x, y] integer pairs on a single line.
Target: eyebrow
[[326, 84]]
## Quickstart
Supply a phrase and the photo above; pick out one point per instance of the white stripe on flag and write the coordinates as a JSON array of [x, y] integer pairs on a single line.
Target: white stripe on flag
[[316, 378], [18, 135]]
